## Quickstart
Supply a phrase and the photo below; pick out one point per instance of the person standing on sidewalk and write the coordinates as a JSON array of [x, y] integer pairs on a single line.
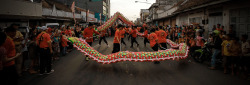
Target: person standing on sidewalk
[[216, 48], [9, 66], [88, 35], [44, 43], [18, 45]]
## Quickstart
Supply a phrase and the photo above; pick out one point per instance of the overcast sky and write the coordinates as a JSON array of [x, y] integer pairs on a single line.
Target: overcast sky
[[129, 8]]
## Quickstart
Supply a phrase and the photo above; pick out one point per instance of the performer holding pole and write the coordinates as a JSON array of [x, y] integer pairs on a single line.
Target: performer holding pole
[[122, 32], [145, 35], [153, 39], [161, 34], [117, 38], [134, 35], [103, 34], [88, 35]]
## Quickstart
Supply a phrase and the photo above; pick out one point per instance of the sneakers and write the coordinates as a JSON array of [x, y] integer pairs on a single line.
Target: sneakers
[[52, 71], [108, 45], [87, 58]]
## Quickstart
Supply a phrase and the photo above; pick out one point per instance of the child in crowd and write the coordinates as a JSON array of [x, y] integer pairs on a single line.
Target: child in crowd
[[235, 50], [245, 47], [64, 44], [56, 47], [226, 52]]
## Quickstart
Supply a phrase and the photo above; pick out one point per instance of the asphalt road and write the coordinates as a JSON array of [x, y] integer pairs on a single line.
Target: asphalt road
[[74, 70]]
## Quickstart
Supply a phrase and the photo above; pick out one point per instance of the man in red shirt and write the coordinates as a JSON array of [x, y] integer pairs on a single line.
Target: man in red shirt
[[117, 38], [134, 35], [43, 41], [88, 35], [103, 37]]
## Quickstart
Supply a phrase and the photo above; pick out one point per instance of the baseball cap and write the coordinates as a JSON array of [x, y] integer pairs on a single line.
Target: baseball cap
[[44, 28]]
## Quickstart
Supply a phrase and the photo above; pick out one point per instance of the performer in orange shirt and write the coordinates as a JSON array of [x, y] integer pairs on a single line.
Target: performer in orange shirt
[[43, 40], [103, 37], [117, 38], [153, 39], [88, 35], [145, 35], [162, 35], [129, 32], [134, 35], [122, 32]]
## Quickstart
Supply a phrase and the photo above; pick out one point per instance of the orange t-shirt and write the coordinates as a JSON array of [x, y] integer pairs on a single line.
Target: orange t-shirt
[[117, 35], [162, 36], [42, 39], [103, 33], [145, 34], [64, 41], [10, 50], [134, 33], [88, 33], [122, 32], [152, 39]]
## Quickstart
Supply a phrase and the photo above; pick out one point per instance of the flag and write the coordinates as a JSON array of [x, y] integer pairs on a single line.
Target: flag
[[87, 16], [73, 7], [73, 10]]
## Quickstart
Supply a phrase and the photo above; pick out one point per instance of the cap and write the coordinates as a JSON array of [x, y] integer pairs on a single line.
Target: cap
[[44, 28]]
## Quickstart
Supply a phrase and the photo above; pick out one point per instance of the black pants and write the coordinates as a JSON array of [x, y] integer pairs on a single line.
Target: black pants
[[122, 40], [133, 40], [146, 41], [103, 38], [9, 76], [155, 47], [116, 47], [129, 36], [45, 60], [164, 45], [90, 43]]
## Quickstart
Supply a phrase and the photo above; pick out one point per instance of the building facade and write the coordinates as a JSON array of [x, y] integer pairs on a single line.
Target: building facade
[[97, 6]]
